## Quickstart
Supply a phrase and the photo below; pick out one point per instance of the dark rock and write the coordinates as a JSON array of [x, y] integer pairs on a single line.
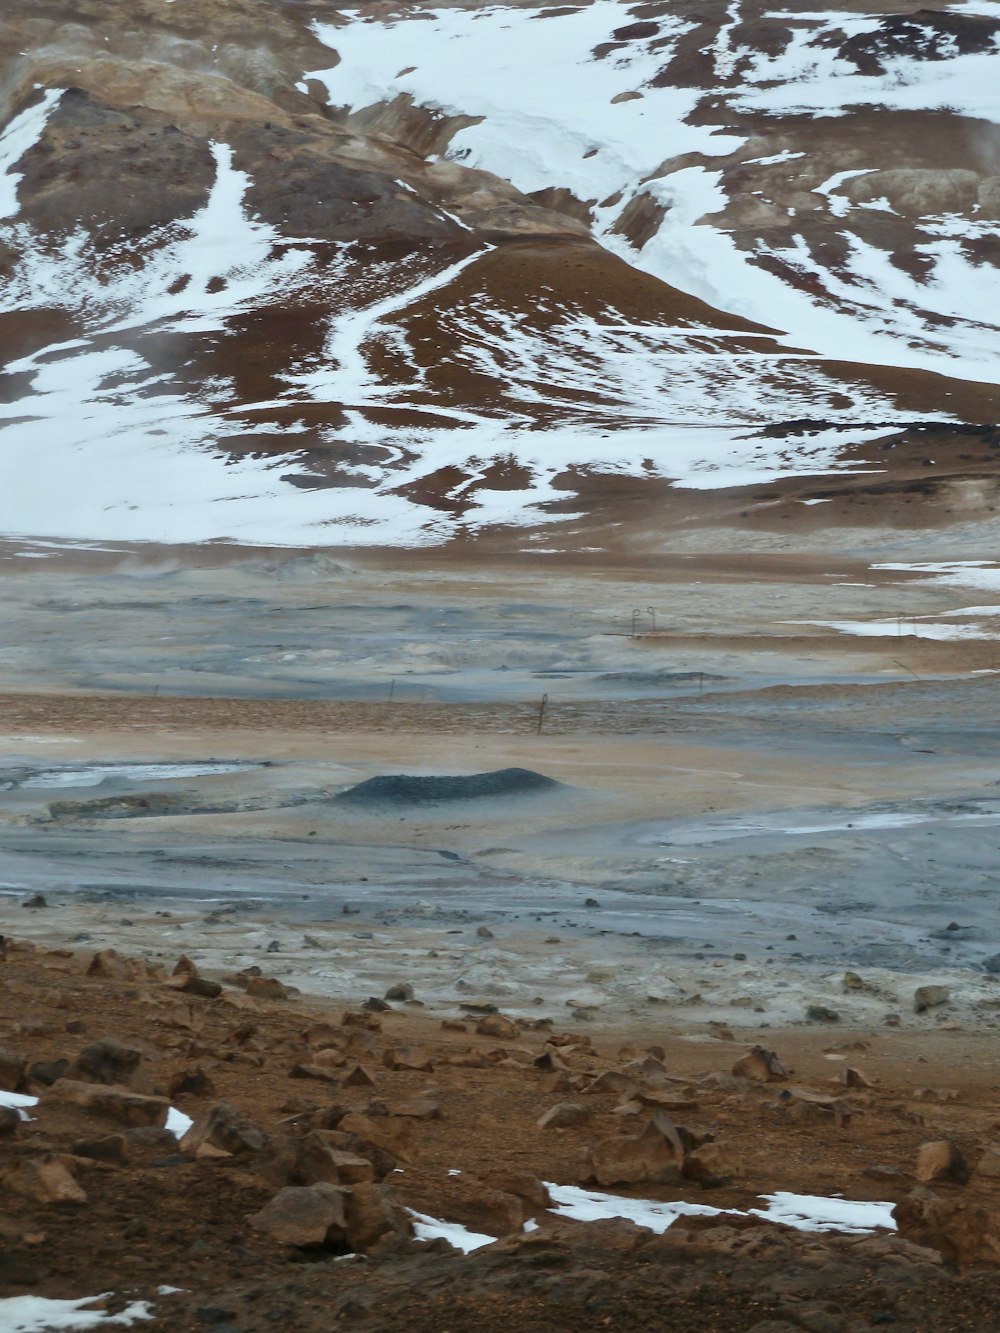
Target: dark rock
[[401, 991], [398, 789], [107, 1061], [107, 1148]]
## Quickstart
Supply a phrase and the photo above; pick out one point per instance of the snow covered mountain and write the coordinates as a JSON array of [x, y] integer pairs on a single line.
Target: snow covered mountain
[[277, 273]]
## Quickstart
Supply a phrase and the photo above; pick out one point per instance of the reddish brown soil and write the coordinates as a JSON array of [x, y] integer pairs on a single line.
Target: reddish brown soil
[[167, 1217]]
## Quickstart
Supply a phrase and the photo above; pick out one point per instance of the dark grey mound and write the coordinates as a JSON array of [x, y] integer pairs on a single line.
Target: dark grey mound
[[398, 789]]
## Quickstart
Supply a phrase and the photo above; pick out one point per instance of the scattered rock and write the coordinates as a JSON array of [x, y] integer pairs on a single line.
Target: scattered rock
[[107, 1148], [47, 1072], [713, 1164], [189, 983], [964, 1232], [305, 1216], [408, 1057], [656, 1156], [9, 1121], [854, 1078], [485, 933], [359, 1077], [42, 1180], [372, 1214], [988, 1166], [400, 992], [760, 1065], [109, 963], [107, 1061], [112, 1103], [941, 1160], [223, 1130], [819, 1013], [497, 1025], [930, 997], [566, 1115], [12, 1071], [267, 988]]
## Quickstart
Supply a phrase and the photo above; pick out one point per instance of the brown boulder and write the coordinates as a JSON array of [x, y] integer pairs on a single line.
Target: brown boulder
[[109, 1148], [522, 1186], [321, 1073], [611, 1081], [656, 1156], [358, 1077], [10, 1120], [305, 1216], [110, 1102], [189, 983], [223, 1130], [191, 1081], [395, 1134], [712, 1163], [964, 1233], [12, 1069], [566, 1115], [373, 1214], [107, 1061], [360, 1018], [988, 1166], [761, 1066], [308, 1160], [42, 1180], [497, 1025], [352, 1168], [408, 1057], [941, 1160], [267, 988], [109, 963]]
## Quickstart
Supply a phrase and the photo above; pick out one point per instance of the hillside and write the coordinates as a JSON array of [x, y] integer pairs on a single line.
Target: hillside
[[279, 274]]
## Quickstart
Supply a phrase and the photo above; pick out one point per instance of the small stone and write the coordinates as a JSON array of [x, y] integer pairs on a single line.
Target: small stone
[[992, 964], [9, 1121], [852, 981], [110, 964], [36, 900], [760, 1065], [267, 988], [189, 983], [819, 1013], [359, 1077], [485, 933], [497, 1025], [12, 1070], [47, 1072], [400, 992], [373, 1005], [108, 1148], [930, 997], [566, 1115], [591, 902], [988, 1165]]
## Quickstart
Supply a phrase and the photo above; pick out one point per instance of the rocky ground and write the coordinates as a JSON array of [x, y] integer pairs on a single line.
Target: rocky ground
[[319, 1131]]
